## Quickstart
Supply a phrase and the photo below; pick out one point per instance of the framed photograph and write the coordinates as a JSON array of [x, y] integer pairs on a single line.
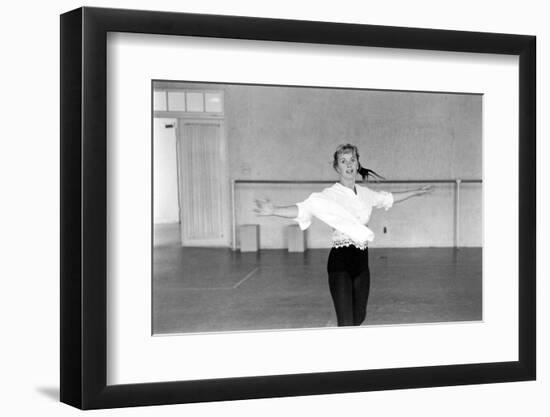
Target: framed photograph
[[257, 208]]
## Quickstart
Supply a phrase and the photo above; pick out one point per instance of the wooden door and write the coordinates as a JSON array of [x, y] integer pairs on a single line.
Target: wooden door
[[203, 183]]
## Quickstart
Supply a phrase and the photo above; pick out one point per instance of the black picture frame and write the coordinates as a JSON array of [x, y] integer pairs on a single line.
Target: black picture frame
[[84, 207]]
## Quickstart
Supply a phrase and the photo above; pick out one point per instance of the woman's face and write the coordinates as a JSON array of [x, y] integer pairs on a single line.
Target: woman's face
[[347, 165]]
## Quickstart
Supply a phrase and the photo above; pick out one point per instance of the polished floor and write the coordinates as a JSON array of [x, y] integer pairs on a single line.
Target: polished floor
[[213, 290]]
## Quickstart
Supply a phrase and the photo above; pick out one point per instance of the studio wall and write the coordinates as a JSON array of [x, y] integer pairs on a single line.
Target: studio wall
[[290, 133]]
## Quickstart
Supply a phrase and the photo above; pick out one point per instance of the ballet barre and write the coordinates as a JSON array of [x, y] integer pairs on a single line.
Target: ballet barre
[[456, 181]]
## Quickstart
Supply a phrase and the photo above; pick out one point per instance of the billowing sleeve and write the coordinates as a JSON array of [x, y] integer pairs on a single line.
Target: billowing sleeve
[[382, 199], [333, 215], [304, 213]]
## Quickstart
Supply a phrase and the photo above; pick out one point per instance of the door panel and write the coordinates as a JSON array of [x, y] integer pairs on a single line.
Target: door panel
[[204, 185]]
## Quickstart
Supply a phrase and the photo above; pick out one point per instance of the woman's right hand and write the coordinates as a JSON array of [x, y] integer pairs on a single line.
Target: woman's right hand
[[264, 207], [425, 190]]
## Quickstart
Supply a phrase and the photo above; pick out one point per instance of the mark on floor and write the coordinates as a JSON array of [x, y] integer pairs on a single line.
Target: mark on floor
[[246, 277]]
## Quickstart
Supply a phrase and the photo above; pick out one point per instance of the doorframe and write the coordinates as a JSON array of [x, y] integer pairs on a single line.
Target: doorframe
[[223, 172]]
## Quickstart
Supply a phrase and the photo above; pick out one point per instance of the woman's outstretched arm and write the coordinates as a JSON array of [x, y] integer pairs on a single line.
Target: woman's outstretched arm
[[399, 196], [267, 208]]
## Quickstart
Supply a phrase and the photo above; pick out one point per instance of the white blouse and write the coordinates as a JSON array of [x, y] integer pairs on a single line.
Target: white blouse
[[346, 212]]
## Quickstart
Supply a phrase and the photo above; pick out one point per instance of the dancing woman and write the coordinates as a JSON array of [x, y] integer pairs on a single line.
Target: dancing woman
[[346, 207]]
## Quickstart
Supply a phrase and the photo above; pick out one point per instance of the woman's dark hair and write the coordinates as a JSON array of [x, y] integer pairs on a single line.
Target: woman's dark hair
[[364, 172]]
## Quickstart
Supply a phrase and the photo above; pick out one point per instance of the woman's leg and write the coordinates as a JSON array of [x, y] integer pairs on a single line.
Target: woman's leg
[[361, 288], [341, 290]]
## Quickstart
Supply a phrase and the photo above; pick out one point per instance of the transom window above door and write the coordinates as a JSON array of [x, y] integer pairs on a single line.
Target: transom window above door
[[188, 101]]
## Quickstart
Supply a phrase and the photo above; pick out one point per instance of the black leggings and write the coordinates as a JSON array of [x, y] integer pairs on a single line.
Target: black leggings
[[349, 282]]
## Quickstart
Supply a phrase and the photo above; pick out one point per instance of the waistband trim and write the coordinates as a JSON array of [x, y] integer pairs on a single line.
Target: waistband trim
[[348, 242]]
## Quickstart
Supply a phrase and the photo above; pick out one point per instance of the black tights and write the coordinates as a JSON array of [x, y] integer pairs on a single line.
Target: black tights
[[349, 282], [350, 295]]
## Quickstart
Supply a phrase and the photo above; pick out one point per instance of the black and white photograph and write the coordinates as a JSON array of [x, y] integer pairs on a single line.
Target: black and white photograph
[[290, 208], [280, 208], [300, 207]]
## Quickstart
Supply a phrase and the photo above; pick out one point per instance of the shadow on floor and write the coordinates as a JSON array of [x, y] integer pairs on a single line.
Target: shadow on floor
[[49, 392]]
